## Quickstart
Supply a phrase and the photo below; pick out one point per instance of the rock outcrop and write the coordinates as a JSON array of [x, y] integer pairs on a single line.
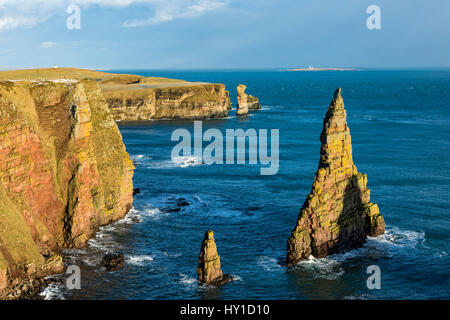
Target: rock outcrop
[[246, 102], [113, 262], [178, 102], [209, 270], [64, 172], [337, 215]]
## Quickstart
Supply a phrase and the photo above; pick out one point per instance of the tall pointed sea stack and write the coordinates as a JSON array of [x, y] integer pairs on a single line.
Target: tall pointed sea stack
[[208, 269], [337, 215]]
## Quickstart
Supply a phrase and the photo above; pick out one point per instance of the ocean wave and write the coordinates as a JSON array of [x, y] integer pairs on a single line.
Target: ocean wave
[[395, 241], [269, 264], [323, 268], [130, 218], [187, 161], [177, 162], [140, 159], [236, 277], [138, 260], [396, 237], [185, 279], [54, 291]]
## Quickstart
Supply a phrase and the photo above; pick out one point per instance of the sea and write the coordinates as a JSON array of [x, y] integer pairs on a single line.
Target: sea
[[400, 126]]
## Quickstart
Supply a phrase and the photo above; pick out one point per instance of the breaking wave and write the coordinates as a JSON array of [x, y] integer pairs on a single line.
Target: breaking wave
[[138, 260]]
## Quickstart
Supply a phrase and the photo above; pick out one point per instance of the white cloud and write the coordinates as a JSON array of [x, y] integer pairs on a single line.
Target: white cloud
[[33, 12], [166, 11], [48, 44]]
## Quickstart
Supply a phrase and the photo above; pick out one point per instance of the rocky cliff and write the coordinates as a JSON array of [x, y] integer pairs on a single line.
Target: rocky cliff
[[178, 102], [64, 172], [132, 97], [337, 215]]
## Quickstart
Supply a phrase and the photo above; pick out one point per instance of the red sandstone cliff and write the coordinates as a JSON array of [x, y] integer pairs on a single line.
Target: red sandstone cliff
[[64, 172]]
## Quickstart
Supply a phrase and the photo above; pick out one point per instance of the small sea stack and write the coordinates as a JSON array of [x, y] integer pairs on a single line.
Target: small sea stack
[[209, 270], [337, 215], [246, 102]]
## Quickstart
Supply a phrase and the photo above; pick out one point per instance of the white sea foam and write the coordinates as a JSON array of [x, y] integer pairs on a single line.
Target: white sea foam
[[185, 279], [187, 161], [138, 260], [54, 291], [395, 237], [236, 277], [324, 268], [139, 158], [177, 162], [269, 263]]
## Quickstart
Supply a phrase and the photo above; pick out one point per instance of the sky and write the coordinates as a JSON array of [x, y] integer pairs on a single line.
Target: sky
[[224, 34]]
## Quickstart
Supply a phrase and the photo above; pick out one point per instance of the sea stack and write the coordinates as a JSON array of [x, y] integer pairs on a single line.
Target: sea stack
[[337, 215], [208, 269], [246, 102]]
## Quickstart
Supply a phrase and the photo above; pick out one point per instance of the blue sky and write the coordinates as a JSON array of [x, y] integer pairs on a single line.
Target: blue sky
[[191, 34]]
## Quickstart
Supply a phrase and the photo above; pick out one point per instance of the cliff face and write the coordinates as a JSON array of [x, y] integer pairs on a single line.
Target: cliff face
[[337, 215], [64, 171], [178, 102], [132, 97]]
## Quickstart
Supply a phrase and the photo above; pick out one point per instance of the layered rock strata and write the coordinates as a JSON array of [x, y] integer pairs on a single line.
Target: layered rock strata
[[64, 172], [209, 270], [246, 102], [134, 98], [337, 215], [187, 102]]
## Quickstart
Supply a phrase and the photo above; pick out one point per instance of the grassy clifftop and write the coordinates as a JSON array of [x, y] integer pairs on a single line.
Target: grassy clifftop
[[133, 97], [104, 78]]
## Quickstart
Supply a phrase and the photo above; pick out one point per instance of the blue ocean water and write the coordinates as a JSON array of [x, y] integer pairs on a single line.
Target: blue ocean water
[[399, 122]]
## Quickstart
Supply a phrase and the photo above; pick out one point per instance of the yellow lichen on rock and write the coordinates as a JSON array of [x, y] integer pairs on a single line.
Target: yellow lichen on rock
[[337, 215], [209, 270], [64, 172]]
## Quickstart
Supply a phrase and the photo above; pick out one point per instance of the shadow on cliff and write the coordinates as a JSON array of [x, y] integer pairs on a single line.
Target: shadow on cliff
[[350, 222], [329, 275]]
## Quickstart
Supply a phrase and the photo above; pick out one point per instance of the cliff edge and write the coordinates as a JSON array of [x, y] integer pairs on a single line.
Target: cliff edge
[[337, 215], [64, 172], [135, 98]]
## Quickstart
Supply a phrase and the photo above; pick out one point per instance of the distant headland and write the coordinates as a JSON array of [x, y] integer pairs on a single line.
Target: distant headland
[[311, 68]]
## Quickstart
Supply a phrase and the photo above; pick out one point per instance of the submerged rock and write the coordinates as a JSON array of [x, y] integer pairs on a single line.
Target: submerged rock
[[337, 215], [209, 270], [246, 102], [113, 262]]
